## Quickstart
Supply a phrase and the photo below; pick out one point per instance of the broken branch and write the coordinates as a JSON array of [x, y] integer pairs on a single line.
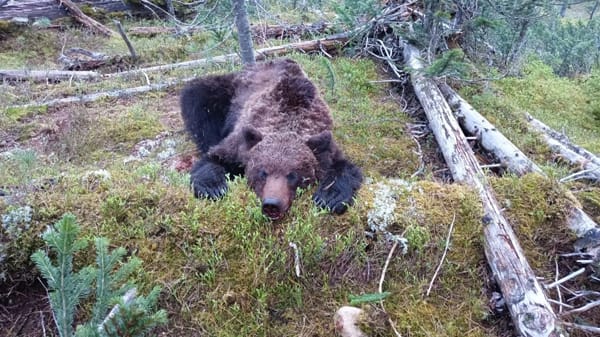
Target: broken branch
[[86, 20]]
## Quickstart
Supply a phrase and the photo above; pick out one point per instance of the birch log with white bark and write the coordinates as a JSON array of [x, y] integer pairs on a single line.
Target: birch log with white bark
[[515, 160], [529, 308]]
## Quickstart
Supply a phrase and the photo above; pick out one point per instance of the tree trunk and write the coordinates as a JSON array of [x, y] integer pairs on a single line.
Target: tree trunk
[[50, 9], [563, 8], [515, 160], [243, 28], [545, 129], [526, 301], [487, 135]]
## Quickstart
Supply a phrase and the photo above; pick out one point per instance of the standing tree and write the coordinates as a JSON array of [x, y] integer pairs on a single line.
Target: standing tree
[[244, 34]]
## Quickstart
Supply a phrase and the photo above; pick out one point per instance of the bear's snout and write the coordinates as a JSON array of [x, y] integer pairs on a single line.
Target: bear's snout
[[271, 207], [275, 197]]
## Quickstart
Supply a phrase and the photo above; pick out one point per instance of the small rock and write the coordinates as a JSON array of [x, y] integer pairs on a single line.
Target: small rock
[[346, 321]]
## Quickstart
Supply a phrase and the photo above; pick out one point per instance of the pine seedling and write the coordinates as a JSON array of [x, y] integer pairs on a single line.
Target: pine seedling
[[107, 283], [134, 317], [66, 288]]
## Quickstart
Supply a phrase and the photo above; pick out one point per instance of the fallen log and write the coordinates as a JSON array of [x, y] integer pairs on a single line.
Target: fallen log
[[327, 44], [105, 94], [84, 19], [546, 130], [487, 135], [46, 75], [34, 9], [306, 46], [258, 31], [516, 161], [529, 308]]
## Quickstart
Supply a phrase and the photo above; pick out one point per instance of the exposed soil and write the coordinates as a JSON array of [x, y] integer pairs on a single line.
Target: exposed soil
[[25, 311]]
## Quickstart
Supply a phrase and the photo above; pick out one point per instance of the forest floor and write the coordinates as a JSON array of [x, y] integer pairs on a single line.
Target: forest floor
[[120, 166]]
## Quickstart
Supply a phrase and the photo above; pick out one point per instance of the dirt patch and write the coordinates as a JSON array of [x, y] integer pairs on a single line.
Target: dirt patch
[[25, 311]]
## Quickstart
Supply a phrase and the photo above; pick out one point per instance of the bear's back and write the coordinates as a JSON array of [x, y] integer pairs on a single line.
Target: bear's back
[[277, 96]]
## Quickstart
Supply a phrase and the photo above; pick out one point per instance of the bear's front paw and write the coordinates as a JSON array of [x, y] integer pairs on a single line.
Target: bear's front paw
[[208, 180], [334, 196], [210, 190]]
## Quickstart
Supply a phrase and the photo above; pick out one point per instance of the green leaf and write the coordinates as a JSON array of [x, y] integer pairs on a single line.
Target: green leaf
[[368, 298]]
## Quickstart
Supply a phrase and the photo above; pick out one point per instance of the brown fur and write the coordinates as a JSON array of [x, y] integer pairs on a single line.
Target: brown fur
[[278, 128]]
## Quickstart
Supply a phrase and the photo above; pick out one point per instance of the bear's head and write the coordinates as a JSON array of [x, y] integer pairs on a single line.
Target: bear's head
[[280, 163]]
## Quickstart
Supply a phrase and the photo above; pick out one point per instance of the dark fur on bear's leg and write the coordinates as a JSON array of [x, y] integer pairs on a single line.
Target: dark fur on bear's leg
[[337, 190], [205, 108], [205, 105]]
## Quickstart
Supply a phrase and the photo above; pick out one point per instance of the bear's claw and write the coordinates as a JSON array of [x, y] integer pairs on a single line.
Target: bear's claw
[[333, 198], [208, 180], [203, 191]]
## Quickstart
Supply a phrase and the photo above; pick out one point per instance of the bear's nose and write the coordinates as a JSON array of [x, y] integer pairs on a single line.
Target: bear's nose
[[272, 207]]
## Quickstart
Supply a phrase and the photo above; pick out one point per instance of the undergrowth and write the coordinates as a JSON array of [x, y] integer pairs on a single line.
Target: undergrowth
[[135, 316]]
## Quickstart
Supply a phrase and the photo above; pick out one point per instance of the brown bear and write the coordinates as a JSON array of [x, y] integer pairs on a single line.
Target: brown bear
[[268, 122]]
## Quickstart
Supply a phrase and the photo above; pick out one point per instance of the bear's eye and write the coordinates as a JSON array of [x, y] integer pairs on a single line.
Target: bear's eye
[[262, 174], [292, 178]]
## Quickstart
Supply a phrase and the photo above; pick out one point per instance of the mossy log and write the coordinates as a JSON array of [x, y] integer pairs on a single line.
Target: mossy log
[[50, 9], [529, 308], [514, 159]]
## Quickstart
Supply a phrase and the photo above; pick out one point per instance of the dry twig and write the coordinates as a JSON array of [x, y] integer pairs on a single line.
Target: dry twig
[[437, 270]]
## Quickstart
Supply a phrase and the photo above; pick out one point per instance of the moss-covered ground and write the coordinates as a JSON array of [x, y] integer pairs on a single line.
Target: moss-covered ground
[[224, 269]]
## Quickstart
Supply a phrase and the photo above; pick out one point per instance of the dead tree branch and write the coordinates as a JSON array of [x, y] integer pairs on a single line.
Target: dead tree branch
[[86, 20], [127, 42], [46, 75]]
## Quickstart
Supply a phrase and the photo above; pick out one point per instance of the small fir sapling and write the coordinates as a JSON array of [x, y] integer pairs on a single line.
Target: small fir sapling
[[67, 287]]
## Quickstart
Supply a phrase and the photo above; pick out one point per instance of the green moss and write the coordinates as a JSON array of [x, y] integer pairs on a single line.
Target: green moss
[[15, 113], [536, 208], [93, 12], [561, 103]]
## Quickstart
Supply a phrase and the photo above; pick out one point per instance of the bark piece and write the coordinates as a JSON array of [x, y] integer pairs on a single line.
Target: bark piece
[[346, 321], [86, 20], [526, 301], [515, 160]]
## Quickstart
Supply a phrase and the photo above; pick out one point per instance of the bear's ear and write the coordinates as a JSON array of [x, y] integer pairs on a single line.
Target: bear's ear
[[320, 142], [251, 136]]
